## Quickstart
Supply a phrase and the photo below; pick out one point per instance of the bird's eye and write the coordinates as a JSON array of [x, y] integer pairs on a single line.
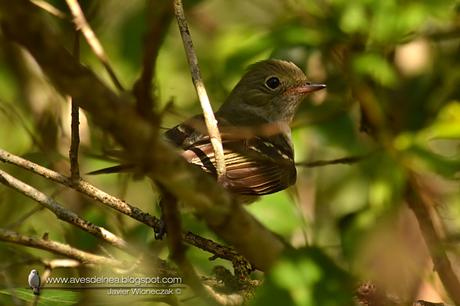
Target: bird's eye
[[272, 82]]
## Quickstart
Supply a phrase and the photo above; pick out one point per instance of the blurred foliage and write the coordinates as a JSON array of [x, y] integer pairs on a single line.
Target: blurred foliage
[[305, 277], [48, 298], [399, 59]]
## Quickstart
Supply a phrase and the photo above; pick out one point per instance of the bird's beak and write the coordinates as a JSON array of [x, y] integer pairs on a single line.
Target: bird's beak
[[304, 89]]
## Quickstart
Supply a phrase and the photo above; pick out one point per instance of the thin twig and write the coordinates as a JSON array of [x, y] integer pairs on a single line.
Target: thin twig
[[61, 212], [83, 187], [441, 261], [74, 127], [58, 248], [321, 163], [241, 266], [46, 6], [218, 250], [93, 42], [61, 263], [110, 201], [210, 119]]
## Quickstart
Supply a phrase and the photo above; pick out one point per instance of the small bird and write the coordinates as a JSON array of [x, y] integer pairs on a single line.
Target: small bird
[[254, 122], [34, 281]]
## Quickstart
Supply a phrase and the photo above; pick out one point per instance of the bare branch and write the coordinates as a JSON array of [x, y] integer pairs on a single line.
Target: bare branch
[[320, 163], [61, 263], [46, 6], [210, 119], [110, 201], [218, 250], [58, 248], [61, 212], [83, 26]]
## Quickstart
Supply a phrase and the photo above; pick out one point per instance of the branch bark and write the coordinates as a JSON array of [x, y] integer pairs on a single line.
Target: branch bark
[[210, 119], [320, 163], [84, 187], [61, 212], [82, 25], [58, 248]]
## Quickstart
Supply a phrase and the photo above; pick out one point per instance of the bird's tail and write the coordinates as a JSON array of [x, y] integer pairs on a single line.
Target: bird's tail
[[114, 169], [36, 290]]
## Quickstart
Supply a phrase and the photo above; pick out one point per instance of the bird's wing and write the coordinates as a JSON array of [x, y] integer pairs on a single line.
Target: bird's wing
[[34, 280], [255, 166]]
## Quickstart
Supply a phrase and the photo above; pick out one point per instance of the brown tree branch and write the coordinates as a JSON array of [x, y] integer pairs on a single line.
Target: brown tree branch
[[218, 250], [63, 213], [46, 6], [58, 248], [83, 187], [61, 263], [210, 119], [115, 114]]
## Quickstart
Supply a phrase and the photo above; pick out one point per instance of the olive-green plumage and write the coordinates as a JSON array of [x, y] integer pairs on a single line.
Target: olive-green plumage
[[256, 99], [254, 125]]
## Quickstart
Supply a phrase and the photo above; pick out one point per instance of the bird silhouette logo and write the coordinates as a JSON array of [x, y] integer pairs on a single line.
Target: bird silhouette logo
[[34, 281]]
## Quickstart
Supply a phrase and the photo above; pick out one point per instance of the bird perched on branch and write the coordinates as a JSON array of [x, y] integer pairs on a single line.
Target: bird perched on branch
[[34, 281], [254, 126]]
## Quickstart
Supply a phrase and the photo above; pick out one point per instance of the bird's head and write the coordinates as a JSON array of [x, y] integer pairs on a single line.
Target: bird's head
[[270, 90]]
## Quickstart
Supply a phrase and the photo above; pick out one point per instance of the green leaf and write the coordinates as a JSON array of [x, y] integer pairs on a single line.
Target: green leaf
[[446, 125], [353, 19], [424, 158], [376, 67], [306, 277]]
